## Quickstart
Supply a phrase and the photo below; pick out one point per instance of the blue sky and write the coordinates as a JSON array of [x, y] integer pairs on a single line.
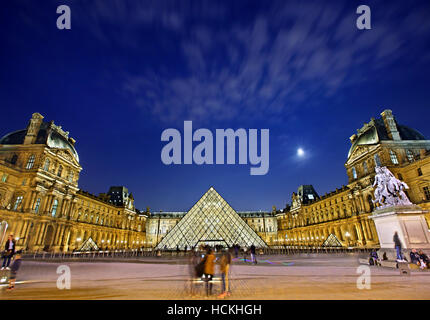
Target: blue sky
[[127, 70]]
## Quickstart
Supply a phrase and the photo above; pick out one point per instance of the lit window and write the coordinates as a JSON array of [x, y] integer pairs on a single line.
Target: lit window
[[30, 162], [366, 169], [393, 157], [377, 160], [71, 176], [427, 193], [354, 173], [54, 208], [17, 203], [36, 208], [46, 166], [409, 155]]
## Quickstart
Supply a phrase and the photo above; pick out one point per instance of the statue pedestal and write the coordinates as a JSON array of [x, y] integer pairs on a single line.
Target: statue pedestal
[[408, 221]]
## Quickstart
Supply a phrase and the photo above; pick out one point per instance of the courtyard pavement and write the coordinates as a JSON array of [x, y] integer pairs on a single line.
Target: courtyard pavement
[[274, 277]]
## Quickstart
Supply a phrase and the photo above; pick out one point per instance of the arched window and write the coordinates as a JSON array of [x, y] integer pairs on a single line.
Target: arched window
[[410, 155], [71, 175], [46, 166], [365, 168], [60, 170], [354, 173], [18, 202], [30, 162], [36, 207], [393, 157], [54, 207], [377, 160]]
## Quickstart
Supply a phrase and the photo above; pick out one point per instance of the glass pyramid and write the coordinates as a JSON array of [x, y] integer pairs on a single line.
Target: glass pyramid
[[89, 245], [332, 241], [211, 221]]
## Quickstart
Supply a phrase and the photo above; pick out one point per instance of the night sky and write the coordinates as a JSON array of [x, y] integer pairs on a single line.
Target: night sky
[[127, 70]]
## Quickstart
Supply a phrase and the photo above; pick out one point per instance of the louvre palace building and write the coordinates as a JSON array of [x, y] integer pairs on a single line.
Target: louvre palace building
[[43, 207]]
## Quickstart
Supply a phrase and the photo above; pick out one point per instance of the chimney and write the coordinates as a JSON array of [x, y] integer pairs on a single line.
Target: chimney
[[33, 128], [390, 124]]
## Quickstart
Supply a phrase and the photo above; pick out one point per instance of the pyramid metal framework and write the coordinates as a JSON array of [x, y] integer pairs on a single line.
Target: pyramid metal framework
[[211, 221], [332, 241], [89, 245]]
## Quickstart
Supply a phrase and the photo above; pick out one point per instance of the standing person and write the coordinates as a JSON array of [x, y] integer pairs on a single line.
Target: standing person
[[9, 252], [236, 250], [244, 253], [209, 270], [398, 246], [253, 256], [224, 268], [14, 270]]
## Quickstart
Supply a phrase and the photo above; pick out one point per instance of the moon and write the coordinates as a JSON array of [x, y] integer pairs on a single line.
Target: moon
[[300, 152]]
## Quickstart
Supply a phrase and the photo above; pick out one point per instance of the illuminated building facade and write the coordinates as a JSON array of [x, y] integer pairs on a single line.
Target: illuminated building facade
[[41, 204], [343, 215]]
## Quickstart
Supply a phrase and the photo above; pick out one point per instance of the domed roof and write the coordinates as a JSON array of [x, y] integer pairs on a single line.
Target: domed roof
[[376, 131], [48, 134]]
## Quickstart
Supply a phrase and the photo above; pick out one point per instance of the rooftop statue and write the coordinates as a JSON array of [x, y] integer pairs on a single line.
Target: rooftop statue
[[389, 190]]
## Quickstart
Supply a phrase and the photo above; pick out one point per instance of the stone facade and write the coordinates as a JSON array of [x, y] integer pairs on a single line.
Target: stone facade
[[345, 212], [41, 204]]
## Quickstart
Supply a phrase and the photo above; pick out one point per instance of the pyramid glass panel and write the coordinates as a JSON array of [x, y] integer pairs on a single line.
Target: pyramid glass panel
[[211, 221], [89, 245], [332, 241]]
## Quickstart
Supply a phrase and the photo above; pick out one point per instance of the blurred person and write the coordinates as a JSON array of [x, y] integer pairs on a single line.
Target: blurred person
[[415, 257], [424, 258], [253, 256], [374, 258], [209, 270], [225, 263], [14, 270], [398, 247], [9, 251]]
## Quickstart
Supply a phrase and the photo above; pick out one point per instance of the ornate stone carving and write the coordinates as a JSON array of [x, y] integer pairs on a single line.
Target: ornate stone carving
[[389, 190]]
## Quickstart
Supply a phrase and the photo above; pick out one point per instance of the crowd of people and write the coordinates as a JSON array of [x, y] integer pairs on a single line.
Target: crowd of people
[[203, 264]]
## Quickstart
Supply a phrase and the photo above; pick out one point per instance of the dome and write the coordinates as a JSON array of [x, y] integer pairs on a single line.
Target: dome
[[376, 132], [46, 135]]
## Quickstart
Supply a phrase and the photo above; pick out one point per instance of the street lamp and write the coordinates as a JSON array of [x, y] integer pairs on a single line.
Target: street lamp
[[347, 235]]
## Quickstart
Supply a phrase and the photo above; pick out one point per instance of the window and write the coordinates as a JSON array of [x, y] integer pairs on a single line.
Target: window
[[4, 177], [409, 155], [377, 160], [54, 208], [18, 202], [60, 171], [36, 208], [71, 176], [400, 176], [365, 168], [354, 173], [46, 166], [426, 193], [14, 159], [393, 157], [24, 181], [420, 173], [30, 162]]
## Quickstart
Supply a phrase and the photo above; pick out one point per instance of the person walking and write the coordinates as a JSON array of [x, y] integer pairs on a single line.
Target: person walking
[[209, 270], [398, 246], [224, 268], [9, 249], [14, 270], [253, 256]]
